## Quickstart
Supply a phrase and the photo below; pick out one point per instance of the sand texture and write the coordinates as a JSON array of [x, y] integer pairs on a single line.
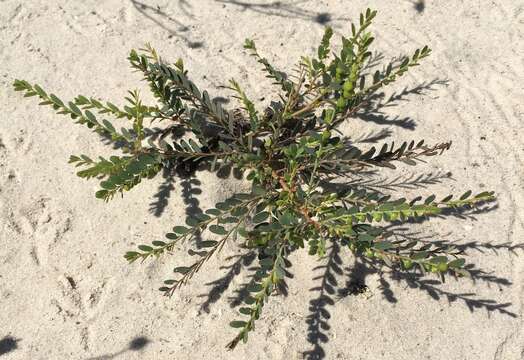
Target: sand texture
[[66, 292]]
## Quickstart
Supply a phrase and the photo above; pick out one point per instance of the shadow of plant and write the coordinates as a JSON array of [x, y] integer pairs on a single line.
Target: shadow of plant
[[242, 291], [382, 184], [286, 9], [419, 5], [137, 344], [220, 285], [318, 318], [163, 194], [8, 344], [372, 111], [357, 273], [363, 268], [190, 188], [166, 21]]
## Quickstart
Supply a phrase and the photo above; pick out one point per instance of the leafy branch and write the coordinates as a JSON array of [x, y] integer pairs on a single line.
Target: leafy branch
[[85, 118], [270, 273]]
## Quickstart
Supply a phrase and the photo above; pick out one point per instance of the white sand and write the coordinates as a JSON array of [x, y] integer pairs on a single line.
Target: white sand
[[53, 229]]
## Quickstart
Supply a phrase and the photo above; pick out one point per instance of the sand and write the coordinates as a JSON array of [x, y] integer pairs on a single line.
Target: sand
[[66, 291]]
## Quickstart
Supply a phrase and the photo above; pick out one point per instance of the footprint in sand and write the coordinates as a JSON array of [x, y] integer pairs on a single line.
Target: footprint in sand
[[44, 225]]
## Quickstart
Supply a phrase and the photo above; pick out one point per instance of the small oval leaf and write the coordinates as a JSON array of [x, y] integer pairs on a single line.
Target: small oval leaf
[[208, 243], [180, 230], [237, 324], [145, 248], [217, 229], [182, 269], [258, 218]]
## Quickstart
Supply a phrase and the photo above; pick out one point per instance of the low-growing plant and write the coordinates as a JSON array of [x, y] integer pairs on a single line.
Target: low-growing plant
[[305, 174]]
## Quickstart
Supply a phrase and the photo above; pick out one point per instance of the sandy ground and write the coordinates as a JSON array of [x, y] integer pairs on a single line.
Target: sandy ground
[[67, 293]]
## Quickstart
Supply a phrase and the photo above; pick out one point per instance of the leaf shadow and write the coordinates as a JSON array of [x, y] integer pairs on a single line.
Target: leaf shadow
[[383, 185], [166, 21], [242, 291], [373, 109], [182, 169], [191, 187], [418, 5], [434, 287], [285, 9], [158, 206], [136, 345], [8, 344], [319, 316], [220, 285], [356, 275]]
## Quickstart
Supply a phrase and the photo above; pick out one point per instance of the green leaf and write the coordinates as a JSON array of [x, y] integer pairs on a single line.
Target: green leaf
[[237, 324], [323, 49], [90, 116], [239, 211], [217, 229], [430, 199], [438, 260], [191, 221], [245, 310], [255, 287], [180, 230], [108, 126], [365, 237], [419, 255], [182, 270], [249, 300], [75, 109], [107, 185], [208, 243], [258, 190], [101, 194], [447, 198], [258, 218], [465, 195], [288, 219], [56, 100], [228, 220], [242, 232], [131, 255], [171, 236], [457, 263], [222, 206], [198, 253], [266, 263], [214, 212], [249, 44], [484, 194], [145, 248], [384, 245]]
